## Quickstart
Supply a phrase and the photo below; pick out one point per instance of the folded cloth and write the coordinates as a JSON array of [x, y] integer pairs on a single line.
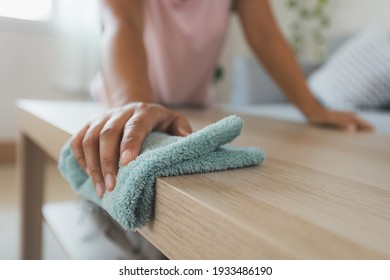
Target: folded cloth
[[131, 202]]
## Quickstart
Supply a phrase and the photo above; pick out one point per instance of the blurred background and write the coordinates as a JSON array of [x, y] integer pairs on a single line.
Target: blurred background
[[49, 50]]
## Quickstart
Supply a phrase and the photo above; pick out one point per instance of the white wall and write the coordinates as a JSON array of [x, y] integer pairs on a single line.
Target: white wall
[[45, 61], [347, 17], [26, 64]]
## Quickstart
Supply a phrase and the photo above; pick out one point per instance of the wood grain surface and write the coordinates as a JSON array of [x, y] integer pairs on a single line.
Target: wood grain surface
[[320, 193]]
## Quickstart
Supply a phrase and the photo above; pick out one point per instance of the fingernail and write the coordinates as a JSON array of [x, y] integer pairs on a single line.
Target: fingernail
[[351, 128], [184, 132], [99, 189], [126, 157], [110, 182]]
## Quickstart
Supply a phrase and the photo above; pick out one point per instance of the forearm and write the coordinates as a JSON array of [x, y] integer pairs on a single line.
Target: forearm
[[281, 64], [278, 59], [124, 64], [267, 42]]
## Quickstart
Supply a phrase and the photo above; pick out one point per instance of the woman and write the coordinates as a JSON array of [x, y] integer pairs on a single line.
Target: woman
[[157, 53]]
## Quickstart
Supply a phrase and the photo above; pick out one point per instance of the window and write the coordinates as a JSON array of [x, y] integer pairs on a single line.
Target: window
[[37, 10]]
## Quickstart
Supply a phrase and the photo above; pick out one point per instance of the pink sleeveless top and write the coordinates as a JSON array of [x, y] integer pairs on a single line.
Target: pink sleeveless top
[[183, 40]]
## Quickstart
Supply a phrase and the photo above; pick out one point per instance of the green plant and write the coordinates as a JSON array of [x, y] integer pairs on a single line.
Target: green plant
[[309, 25]]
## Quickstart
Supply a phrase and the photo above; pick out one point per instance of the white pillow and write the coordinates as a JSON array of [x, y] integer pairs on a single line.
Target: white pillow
[[358, 74]]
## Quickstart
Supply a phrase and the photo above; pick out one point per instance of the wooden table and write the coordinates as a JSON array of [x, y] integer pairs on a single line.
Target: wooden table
[[320, 194]]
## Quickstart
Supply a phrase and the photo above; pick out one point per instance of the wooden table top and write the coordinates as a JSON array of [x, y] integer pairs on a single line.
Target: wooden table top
[[320, 194]]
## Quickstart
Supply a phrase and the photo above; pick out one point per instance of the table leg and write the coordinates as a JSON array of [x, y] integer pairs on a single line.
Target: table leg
[[31, 161]]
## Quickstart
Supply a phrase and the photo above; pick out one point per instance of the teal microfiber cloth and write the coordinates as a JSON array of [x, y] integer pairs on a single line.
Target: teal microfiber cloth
[[131, 202]]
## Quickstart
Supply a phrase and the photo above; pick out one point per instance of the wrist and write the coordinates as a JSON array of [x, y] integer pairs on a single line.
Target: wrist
[[129, 96]]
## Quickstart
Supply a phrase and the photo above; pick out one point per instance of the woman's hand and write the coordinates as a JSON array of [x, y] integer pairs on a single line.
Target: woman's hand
[[117, 135], [346, 121]]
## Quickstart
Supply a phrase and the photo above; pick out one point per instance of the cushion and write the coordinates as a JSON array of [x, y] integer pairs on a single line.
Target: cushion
[[357, 75], [252, 84]]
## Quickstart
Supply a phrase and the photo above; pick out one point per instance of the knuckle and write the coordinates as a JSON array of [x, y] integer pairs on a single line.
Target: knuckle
[[74, 144], [80, 159], [107, 160], [139, 123], [96, 174], [119, 109], [136, 127], [129, 141], [143, 106], [108, 132], [89, 141]]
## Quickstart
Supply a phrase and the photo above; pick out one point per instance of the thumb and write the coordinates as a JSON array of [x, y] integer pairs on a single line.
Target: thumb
[[180, 126]]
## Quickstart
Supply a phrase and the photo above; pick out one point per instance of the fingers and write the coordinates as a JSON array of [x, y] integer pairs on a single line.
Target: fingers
[[352, 123], [110, 138], [91, 145], [77, 147], [180, 126], [118, 136], [345, 121], [349, 122], [135, 131], [363, 125], [146, 118]]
